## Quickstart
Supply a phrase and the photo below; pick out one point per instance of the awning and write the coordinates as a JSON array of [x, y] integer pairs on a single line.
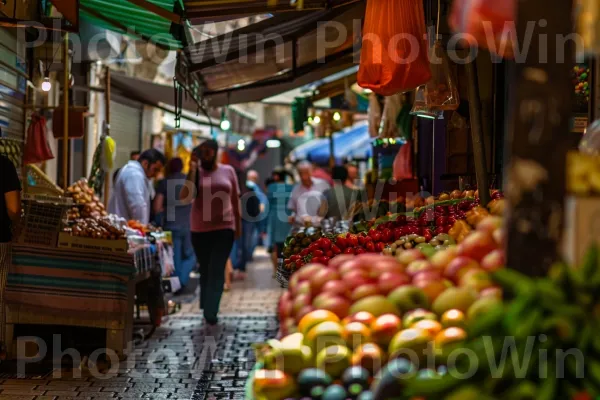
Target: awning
[[156, 95], [344, 143], [125, 17], [206, 9], [277, 53]]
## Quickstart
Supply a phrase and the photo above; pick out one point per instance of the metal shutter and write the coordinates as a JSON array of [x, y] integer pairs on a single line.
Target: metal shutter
[[13, 85], [125, 129]]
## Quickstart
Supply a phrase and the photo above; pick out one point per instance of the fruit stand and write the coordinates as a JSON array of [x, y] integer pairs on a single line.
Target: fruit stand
[[76, 265]]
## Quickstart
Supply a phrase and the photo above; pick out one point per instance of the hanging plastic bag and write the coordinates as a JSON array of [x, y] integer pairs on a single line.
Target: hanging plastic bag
[[441, 91], [394, 47], [490, 23], [109, 153], [403, 163], [391, 108], [374, 115], [421, 107], [37, 149]]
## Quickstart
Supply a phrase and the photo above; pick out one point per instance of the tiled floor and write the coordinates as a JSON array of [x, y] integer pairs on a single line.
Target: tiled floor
[[180, 361]]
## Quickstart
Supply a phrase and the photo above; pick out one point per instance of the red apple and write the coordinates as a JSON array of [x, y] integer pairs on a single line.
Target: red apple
[[418, 266], [427, 276], [336, 288], [303, 311], [351, 266], [389, 281], [284, 308], [363, 291], [477, 245], [442, 258], [477, 279], [408, 256], [300, 301], [337, 305], [356, 278], [364, 317], [493, 261], [294, 281], [489, 224], [321, 277], [339, 260], [306, 272], [432, 288], [302, 288], [457, 267]]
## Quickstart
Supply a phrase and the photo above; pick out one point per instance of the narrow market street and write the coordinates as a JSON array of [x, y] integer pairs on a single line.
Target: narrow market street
[[179, 361]]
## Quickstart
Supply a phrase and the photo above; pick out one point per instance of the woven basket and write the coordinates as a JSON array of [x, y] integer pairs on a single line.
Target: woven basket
[[42, 219], [282, 275]]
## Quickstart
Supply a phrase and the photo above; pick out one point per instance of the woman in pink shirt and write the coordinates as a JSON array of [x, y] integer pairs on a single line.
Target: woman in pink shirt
[[215, 222]]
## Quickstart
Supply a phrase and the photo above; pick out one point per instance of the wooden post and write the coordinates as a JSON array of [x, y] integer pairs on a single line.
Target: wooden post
[[481, 172], [66, 112], [539, 136], [107, 127]]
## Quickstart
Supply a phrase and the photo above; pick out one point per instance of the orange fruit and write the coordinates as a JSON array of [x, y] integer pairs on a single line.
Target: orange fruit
[[369, 356], [355, 334], [314, 318], [364, 317], [454, 318], [431, 327], [450, 336]]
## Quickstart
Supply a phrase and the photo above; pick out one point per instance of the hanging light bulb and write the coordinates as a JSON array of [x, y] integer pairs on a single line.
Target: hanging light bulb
[[46, 85], [225, 125], [317, 120], [337, 116], [241, 145]]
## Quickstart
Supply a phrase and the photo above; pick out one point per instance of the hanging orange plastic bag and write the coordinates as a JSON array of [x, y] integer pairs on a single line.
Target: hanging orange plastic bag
[[490, 24], [441, 90], [37, 149], [394, 47]]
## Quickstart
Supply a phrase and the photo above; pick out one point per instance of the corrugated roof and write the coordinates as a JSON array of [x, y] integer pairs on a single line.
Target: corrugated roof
[[127, 18]]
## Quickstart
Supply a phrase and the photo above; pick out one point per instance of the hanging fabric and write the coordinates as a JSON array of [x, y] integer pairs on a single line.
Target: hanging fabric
[[394, 47], [489, 24], [37, 149], [391, 109], [374, 115], [403, 163]]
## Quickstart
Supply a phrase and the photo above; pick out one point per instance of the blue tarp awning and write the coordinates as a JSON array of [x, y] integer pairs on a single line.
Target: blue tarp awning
[[344, 142]]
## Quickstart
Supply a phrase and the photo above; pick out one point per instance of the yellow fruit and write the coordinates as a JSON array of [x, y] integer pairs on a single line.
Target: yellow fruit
[[314, 318], [325, 334], [334, 360]]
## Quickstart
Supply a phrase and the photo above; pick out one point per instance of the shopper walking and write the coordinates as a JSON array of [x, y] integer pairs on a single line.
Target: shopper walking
[[306, 198], [10, 213], [215, 222], [132, 193], [278, 226], [340, 197], [253, 182], [174, 216]]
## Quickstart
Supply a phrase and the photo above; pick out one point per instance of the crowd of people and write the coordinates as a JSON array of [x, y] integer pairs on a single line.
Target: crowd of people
[[217, 221]]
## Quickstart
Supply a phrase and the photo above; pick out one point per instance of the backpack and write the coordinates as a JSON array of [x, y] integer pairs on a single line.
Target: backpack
[[250, 203]]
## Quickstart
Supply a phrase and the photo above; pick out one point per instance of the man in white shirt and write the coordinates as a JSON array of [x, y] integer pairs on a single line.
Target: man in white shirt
[[306, 197], [132, 192]]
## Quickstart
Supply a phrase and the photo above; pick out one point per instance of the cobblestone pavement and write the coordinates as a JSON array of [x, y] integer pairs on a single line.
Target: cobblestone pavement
[[180, 361]]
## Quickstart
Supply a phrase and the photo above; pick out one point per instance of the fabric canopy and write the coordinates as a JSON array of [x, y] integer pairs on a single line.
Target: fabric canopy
[[127, 18], [301, 152], [343, 143]]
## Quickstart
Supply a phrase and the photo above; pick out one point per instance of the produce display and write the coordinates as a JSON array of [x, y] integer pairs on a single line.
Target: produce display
[[426, 227], [343, 324], [143, 228], [96, 228], [88, 205]]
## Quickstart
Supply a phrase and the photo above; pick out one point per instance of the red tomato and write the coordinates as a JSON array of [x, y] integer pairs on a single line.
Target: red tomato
[[386, 235], [397, 233], [359, 250], [317, 253], [335, 249], [305, 252], [370, 247], [316, 260], [349, 250], [352, 240], [341, 242], [325, 260], [380, 246], [376, 237], [325, 243], [361, 240], [296, 257], [329, 253]]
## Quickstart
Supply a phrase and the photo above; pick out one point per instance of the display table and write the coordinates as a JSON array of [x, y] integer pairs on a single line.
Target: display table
[[53, 286]]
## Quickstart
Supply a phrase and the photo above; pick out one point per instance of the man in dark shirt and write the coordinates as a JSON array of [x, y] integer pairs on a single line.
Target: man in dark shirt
[[10, 212]]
